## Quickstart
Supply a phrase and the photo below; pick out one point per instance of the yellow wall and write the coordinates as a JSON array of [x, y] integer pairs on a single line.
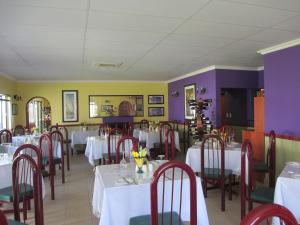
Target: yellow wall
[[8, 87], [53, 92]]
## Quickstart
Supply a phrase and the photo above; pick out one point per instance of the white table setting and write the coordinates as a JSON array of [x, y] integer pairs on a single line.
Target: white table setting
[[128, 193], [98, 145], [287, 189], [152, 137], [232, 157], [80, 136]]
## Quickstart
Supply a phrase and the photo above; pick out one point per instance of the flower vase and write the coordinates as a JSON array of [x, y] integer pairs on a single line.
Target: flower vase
[[139, 161]]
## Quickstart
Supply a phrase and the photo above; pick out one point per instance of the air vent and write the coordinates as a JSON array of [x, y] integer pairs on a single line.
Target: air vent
[[104, 65]]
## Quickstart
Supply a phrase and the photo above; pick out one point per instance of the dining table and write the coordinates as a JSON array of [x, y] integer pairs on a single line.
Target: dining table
[[98, 145], [80, 136], [151, 137], [122, 193], [287, 189], [232, 157]]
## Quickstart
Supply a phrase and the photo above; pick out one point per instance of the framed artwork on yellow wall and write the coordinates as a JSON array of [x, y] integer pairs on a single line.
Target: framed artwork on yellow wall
[[189, 94], [70, 105]]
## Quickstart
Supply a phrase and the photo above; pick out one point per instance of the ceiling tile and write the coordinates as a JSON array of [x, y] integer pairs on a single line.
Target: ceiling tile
[[25, 15], [165, 8], [274, 36], [290, 25], [242, 14], [67, 4], [123, 21], [217, 30], [292, 5]]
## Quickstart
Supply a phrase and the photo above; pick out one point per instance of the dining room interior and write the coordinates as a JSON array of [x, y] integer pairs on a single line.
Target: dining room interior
[[140, 112]]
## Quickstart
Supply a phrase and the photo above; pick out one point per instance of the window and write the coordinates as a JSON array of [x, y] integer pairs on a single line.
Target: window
[[5, 112]]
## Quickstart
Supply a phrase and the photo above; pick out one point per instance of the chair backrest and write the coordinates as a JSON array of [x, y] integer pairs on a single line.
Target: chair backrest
[[124, 144], [212, 157], [45, 144], [54, 127], [64, 131], [175, 124], [113, 137], [167, 182], [19, 130], [57, 143], [30, 150], [5, 136], [128, 129], [271, 157], [144, 124], [27, 176], [3, 220], [102, 129], [163, 128], [264, 214], [246, 174], [170, 148]]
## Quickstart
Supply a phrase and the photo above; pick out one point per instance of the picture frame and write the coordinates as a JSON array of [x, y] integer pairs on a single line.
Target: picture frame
[[155, 99], [156, 111], [189, 94], [14, 109], [70, 105]]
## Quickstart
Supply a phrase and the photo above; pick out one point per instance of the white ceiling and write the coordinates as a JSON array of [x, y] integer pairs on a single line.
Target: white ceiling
[[154, 39]]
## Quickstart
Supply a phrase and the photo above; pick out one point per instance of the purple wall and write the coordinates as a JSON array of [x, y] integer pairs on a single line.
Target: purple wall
[[261, 79], [176, 104], [282, 91], [235, 79]]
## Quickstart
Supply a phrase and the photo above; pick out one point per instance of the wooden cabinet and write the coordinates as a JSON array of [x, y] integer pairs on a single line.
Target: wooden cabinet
[[256, 135]]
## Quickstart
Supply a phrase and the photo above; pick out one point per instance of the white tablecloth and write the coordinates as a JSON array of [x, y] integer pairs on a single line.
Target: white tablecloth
[[20, 140], [130, 200], [153, 137], [8, 148], [232, 158], [97, 146], [287, 189], [80, 137], [6, 173]]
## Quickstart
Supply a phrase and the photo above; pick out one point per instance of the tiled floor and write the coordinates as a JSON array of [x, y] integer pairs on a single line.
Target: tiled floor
[[72, 204]]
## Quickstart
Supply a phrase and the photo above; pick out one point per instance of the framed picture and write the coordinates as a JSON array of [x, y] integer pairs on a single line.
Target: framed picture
[[155, 99], [14, 109], [189, 94], [70, 105], [156, 111]]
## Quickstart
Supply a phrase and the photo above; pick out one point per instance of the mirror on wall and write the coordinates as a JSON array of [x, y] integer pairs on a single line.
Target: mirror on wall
[[116, 105], [38, 113]]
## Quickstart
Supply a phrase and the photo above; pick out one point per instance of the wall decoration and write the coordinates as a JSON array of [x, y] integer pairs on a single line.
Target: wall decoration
[[155, 99], [70, 105], [14, 109], [156, 111], [189, 94]]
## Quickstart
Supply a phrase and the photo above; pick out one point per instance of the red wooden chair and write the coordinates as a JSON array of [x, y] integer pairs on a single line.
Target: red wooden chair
[[213, 166], [170, 149], [5, 136], [264, 214], [261, 195], [64, 131], [113, 137], [6, 194], [19, 130], [3, 220], [58, 152], [45, 144], [269, 166], [163, 129], [144, 124], [102, 129], [54, 127], [126, 143], [168, 213], [128, 129], [27, 183]]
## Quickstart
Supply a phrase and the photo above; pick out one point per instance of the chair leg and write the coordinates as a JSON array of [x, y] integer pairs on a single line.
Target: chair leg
[[68, 158], [62, 171], [99, 161], [204, 185], [29, 204], [250, 205], [25, 209], [230, 187], [52, 187], [222, 196]]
